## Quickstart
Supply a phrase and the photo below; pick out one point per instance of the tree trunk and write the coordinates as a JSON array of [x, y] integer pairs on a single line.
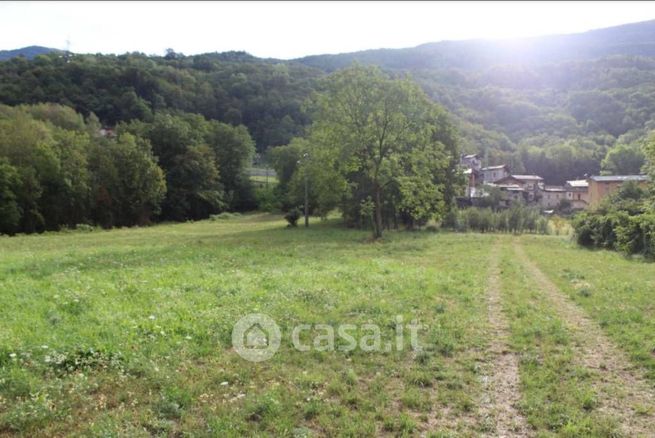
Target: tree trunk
[[377, 227]]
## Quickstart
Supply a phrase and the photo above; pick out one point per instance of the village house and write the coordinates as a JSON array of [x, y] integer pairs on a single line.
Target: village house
[[552, 196], [532, 185], [491, 174], [601, 186], [577, 193], [471, 161]]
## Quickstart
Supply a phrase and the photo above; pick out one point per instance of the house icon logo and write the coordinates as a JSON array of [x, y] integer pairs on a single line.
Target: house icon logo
[[256, 337]]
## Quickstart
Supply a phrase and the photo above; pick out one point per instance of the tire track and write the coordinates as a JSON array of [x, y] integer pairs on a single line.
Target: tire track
[[502, 384], [626, 395]]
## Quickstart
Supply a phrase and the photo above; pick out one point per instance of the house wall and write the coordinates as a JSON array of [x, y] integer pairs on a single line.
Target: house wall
[[490, 176], [551, 199], [598, 190]]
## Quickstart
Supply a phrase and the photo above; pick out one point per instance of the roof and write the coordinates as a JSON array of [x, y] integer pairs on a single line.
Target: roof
[[470, 156], [619, 178], [554, 189], [502, 166], [578, 183], [528, 177]]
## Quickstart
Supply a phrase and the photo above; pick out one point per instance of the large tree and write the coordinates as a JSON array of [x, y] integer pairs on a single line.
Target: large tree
[[380, 141], [623, 160]]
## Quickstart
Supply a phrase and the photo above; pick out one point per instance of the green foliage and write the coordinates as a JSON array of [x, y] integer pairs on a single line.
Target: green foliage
[[205, 163], [623, 160], [128, 185], [292, 217], [622, 223], [517, 219], [10, 212], [232, 87], [379, 138]]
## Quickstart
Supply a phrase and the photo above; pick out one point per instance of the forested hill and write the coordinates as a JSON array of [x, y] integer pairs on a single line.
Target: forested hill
[[26, 52], [552, 105]]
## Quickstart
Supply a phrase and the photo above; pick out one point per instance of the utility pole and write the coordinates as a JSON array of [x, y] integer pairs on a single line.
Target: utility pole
[[303, 162], [306, 200]]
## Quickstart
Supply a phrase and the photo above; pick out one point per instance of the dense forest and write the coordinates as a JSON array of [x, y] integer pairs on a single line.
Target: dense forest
[[560, 107]]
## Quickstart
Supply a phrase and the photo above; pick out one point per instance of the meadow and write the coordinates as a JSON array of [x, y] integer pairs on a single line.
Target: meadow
[[129, 333]]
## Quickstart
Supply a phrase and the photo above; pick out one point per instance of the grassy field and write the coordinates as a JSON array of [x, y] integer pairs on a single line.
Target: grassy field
[[129, 332]]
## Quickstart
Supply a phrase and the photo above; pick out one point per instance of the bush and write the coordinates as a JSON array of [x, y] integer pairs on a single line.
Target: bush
[[267, 199], [636, 235], [618, 231], [292, 217], [518, 219], [84, 228]]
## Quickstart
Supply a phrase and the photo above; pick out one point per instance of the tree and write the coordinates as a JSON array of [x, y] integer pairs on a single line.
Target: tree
[[234, 150], [128, 184], [195, 190], [623, 160], [378, 134], [10, 212]]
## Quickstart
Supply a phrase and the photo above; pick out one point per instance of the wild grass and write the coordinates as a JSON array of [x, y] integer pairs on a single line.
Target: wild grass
[[618, 292], [558, 394], [128, 332]]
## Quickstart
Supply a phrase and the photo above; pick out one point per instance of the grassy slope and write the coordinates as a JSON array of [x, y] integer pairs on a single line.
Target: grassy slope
[[617, 292], [157, 307], [129, 331], [558, 396]]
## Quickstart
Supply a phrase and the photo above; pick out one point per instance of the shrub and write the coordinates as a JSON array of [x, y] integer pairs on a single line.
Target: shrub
[[292, 217], [267, 199], [517, 220], [636, 235]]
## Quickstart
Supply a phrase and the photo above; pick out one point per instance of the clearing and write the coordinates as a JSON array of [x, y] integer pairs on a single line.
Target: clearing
[[128, 332]]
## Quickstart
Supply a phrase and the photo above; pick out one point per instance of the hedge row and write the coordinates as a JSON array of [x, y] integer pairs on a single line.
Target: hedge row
[[618, 231], [514, 220]]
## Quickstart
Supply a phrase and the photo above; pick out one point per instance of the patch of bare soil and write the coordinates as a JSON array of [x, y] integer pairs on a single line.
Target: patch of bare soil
[[626, 395], [502, 385]]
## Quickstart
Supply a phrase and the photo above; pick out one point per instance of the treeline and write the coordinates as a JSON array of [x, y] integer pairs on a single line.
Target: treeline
[[625, 221], [57, 170]]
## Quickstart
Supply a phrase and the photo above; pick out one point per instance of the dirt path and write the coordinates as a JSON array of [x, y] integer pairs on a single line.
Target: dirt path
[[626, 395], [502, 386]]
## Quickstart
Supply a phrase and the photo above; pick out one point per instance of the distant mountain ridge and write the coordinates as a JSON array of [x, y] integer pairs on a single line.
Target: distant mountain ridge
[[28, 52], [629, 39]]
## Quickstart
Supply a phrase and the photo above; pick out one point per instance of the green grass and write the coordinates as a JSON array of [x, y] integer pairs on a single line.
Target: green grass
[[558, 395], [263, 180], [129, 331], [619, 293]]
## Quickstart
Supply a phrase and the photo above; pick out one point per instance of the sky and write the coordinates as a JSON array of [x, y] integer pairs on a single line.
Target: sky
[[287, 30]]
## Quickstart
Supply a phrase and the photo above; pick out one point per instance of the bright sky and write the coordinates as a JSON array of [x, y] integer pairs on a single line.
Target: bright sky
[[293, 29]]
